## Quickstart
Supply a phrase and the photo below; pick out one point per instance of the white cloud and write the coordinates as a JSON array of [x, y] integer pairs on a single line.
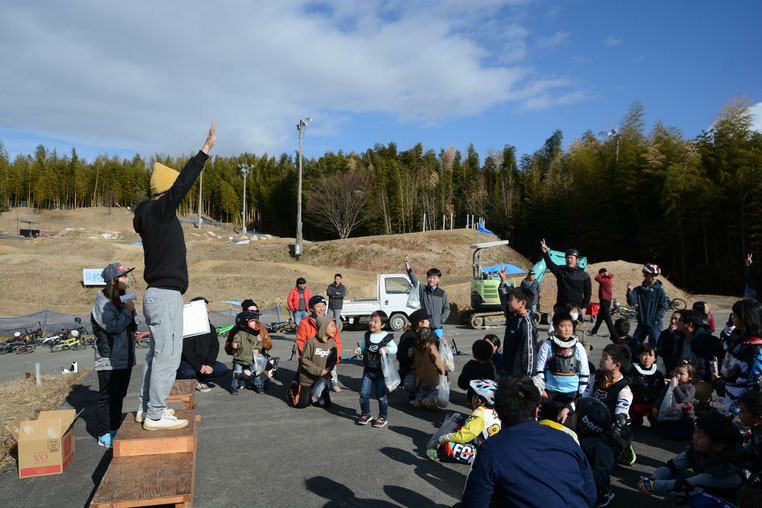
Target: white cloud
[[554, 40], [611, 41], [150, 76], [756, 117]]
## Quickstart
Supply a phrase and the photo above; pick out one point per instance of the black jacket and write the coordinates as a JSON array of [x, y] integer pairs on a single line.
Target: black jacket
[[700, 351], [406, 342], [475, 370], [574, 285], [336, 296], [161, 233], [201, 349], [646, 385], [600, 453]]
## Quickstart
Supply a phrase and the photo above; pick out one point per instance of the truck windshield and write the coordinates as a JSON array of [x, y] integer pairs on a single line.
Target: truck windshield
[[396, 285]]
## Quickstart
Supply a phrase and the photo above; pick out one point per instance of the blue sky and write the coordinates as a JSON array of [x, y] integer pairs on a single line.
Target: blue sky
[[149, 77]]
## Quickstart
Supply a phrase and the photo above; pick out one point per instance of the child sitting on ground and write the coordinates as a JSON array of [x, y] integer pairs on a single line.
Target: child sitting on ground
[[245, 341], [592, 422], [715, 443], [461, 444], [622, 336], [497, 356], [479, 368], [646, 382], [684, 392], [750, 416], [428, 369], [520, 340], [562, 368], [611, 387], [319, 352], [376, 342]]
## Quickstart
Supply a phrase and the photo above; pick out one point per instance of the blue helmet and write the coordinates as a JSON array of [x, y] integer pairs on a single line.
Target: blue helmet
[[485, 388]]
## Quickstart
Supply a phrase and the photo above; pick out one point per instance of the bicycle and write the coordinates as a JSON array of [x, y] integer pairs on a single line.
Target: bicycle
[[143, 339], [281, 326], [69, 344], [623, 310], [676, 303]]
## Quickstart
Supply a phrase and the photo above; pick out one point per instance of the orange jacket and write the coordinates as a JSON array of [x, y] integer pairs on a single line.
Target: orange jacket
[[293, 300], [308, 329]]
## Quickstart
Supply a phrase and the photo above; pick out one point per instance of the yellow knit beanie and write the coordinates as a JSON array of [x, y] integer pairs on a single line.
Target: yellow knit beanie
[[162, 178]]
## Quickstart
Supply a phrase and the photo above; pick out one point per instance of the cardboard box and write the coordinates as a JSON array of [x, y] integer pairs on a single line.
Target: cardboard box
[[46, 445]]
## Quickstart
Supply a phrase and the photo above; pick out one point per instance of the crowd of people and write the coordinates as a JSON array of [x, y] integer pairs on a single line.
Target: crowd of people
[[539, 405]]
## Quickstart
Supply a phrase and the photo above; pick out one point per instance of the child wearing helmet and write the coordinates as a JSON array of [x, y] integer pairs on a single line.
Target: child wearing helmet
[[652, 304], [461, 444], [591, 421]]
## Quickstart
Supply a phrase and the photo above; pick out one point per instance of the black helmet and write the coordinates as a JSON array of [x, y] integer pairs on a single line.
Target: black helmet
[[572, 252], [592, 415]]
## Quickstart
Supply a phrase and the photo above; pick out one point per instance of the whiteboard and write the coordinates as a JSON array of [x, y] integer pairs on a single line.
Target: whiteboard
[[195, 319]]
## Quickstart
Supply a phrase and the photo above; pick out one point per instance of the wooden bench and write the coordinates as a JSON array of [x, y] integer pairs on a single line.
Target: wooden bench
[[150, 468], [184, 391]]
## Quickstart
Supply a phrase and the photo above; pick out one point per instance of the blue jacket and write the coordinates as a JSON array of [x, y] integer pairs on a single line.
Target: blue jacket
[[530, 464], [651, 302]]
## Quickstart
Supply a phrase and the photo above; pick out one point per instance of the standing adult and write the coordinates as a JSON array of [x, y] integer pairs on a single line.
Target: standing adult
[[166, 273], [531, 284], [298, 301], [753, 280], [199, 359], [604, 297], [336, 293], [574, 286]]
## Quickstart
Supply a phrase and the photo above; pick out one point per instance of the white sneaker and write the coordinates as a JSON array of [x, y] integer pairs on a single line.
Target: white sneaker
[[139, 414], [167, 422], [203, 387]]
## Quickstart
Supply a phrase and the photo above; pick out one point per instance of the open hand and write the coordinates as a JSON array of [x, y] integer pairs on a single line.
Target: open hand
[[543, 246], [748, 261], [563, 415], [210, 139], [501, 273], [407, 262]]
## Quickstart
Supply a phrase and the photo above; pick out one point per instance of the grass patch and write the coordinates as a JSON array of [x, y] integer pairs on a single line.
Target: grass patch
[[23, 398]]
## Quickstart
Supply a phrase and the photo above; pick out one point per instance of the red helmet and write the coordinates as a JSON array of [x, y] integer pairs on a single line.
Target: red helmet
[[652, 269]]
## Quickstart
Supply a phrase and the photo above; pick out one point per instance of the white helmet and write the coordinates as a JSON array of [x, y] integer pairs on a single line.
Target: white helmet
[[652, 269], [17, 335], [75, 333]]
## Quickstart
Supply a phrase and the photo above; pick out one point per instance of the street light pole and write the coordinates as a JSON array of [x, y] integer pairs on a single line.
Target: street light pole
[[298, 244], [245, 168]]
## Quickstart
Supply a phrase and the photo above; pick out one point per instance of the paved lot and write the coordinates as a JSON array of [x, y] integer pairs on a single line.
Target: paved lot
[[254, 450]]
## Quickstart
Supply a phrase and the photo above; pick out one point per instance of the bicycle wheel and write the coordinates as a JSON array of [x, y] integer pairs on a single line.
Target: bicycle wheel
[[679, 304], [24, 350]]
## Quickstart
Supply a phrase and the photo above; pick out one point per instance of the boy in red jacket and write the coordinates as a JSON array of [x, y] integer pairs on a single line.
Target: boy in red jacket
[[604, 296], [298, 301]]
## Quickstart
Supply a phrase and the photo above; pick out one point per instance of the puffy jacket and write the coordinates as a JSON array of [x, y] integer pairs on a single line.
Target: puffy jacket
[[293, 299], [247, 343], [574, 286], [113, 328], [651, 302]]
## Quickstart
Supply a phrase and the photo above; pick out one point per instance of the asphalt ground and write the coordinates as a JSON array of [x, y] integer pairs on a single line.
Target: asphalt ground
[[254, 450]]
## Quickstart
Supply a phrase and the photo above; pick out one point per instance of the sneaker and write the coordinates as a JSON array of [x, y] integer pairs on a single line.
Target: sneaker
[[202, 387], [364, 420], [627, 456], [380, 422], [432, 454], [106, 440], [336, 388], [257, 388], [605, 496], [234, 391], [113, 434], [139, 414], [167, 422]]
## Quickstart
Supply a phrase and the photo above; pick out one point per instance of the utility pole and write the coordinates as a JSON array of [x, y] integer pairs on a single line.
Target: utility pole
[[298, 244], [245, 168]]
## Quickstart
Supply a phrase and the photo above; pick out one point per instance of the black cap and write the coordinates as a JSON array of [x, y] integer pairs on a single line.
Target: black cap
[[248, 303], [419, 315], [316, 300], [199, 298]]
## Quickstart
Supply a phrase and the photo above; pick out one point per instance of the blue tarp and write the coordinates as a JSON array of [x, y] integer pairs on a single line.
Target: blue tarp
[[509, 269]]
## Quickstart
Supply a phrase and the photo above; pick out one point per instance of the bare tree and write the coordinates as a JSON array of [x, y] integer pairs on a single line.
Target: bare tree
[[335, 203]]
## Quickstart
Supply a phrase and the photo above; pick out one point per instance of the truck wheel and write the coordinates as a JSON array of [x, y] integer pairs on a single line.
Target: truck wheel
[[398, 321]]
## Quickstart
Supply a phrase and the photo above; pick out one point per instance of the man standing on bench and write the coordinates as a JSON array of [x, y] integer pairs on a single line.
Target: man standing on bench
[[166, 273]]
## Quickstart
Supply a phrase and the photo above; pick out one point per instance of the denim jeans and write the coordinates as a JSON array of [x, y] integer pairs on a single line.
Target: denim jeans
[[256, 381], [163, 310], [371, 378], [298, 316], [409, 382], [427, 393], [643, 330]]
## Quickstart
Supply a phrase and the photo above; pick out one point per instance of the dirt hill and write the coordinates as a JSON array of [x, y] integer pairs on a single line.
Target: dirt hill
[[45, 273]]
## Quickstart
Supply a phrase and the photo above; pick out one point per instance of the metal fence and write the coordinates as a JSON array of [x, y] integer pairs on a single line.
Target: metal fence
[[52, 322]]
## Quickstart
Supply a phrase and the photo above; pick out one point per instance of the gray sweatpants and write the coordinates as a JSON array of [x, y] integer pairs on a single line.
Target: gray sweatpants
[[163, 310]]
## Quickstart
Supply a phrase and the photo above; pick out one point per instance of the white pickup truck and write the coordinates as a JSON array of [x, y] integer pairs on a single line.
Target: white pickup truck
[[393, 290]]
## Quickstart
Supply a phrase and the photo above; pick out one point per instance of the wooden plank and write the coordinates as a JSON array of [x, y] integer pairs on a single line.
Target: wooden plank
[[133, 440], [184, 391], [147, 481]]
